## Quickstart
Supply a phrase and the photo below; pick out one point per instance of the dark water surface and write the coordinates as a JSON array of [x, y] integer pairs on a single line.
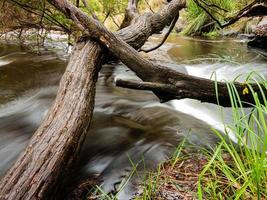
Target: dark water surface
[[128, 126]]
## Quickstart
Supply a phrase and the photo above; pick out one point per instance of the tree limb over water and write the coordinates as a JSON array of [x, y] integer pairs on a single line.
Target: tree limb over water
[[186, 86]]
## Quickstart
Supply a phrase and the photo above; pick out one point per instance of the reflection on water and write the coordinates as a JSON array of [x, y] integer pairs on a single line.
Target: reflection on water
[[128, 126], [181, 49], [22, 71]]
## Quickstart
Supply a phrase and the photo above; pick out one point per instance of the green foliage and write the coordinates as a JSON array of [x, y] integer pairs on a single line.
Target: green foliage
[[233, 169], [115, 6], [197, 18], [96, 5], [241, 167], [29, 14]]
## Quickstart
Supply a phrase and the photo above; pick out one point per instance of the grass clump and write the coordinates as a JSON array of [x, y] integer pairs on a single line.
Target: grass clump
[[230, 170], [240, 168], [200, 22]]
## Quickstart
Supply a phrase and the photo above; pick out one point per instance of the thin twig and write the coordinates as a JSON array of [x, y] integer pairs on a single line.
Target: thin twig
[[240, 14], [39, 34], [213, 8], [47, 16], [114, 21], [206, 10], [107, 15], [165, 37], [150, 8], [214, 5]]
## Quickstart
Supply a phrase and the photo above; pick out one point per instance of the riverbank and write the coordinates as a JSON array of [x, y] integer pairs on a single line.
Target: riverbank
[[229, 170], [176, 178], [138, 125]]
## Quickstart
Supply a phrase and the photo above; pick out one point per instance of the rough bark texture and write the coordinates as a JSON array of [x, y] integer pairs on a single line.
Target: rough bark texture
[[55, 144], [57, 141], [196, 88], [131, 13]]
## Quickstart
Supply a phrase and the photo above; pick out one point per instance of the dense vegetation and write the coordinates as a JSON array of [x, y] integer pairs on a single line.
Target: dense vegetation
[[18, 14], [199, 21], [196, 19]]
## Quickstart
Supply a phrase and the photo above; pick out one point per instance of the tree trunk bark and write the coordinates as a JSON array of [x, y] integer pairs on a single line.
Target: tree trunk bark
[[131, 13], [57, 141]]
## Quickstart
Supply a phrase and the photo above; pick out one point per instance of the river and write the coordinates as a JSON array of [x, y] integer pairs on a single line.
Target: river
[[129, 127]]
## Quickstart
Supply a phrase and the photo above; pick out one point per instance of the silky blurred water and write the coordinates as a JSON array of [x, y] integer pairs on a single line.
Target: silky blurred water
[[128, 126]]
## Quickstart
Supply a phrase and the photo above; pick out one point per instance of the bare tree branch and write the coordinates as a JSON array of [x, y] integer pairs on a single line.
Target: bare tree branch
[[213, 5], [106, 16], [187, 86], [38, 170], [131, 13], [165, 36], [253, 9]]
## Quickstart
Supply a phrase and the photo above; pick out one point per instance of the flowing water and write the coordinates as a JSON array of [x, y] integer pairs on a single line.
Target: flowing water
[[128, 126]]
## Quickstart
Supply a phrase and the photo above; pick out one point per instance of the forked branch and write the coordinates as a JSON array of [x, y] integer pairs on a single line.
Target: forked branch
[[253, 9]]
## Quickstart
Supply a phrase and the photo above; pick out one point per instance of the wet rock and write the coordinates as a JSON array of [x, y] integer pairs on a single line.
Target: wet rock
[[259, 42], [261, 28], [244, 28], [230, 32], [181, 23], [246, 36], [260, 31]]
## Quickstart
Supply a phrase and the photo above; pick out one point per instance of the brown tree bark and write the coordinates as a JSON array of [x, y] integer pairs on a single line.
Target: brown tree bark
[[53, 148], [58, 140], [131, 13]]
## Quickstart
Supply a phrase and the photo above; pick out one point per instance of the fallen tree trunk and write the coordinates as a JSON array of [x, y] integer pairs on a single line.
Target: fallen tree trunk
[[58, 140], [183, 86], [54, 146], [197, 88]]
